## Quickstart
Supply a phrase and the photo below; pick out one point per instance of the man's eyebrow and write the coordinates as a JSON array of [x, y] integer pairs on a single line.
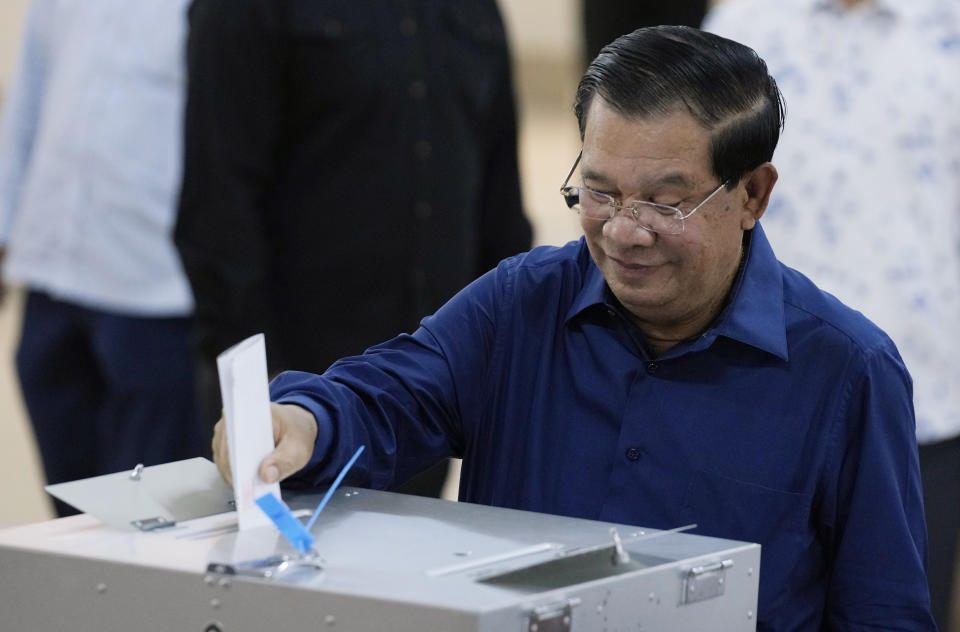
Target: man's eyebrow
[[589, 174], [677, 178]]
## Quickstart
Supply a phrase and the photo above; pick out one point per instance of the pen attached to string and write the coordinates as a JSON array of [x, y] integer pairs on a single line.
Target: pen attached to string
[[288, 525]]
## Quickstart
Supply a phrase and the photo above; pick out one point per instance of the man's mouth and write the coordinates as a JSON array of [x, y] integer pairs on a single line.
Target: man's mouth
[[635, 267]]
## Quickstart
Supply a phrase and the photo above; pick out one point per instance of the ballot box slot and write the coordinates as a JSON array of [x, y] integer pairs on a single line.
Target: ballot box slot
[[580, 564], [571, 569], [484, 564]]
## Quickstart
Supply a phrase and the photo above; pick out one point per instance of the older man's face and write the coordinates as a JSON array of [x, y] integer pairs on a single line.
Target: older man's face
[[673, 285]]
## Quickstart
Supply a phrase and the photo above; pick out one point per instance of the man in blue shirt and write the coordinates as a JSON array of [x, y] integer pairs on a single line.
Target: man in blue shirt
[[665, 369]]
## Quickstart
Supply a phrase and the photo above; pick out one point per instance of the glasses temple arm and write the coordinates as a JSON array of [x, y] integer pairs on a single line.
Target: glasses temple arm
[[572, 169]]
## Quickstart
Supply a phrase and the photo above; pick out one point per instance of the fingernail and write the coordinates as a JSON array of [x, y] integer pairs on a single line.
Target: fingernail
[[272, 474]]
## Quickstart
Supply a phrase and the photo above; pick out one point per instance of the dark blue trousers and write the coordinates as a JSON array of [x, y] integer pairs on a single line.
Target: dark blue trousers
[[105, 392]]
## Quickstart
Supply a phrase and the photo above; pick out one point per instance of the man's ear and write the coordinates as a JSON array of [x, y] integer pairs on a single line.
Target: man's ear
[[757, 185]]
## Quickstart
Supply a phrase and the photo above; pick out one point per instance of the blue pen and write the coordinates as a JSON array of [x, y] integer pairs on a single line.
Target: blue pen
[[333, 488]]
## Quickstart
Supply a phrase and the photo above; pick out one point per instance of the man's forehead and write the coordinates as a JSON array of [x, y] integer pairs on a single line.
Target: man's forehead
[[670, 149]]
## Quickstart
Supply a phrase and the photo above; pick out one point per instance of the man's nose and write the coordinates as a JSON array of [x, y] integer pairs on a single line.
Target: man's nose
[[624, 230]]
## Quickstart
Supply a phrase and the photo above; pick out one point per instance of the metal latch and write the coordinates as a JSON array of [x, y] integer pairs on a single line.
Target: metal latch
[[705, 582], [154, 522], [553, 617]]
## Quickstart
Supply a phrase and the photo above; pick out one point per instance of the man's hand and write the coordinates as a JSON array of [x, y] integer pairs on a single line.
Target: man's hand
[[294, 433]]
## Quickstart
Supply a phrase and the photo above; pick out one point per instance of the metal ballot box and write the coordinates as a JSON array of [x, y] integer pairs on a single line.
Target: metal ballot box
[[386, 562]]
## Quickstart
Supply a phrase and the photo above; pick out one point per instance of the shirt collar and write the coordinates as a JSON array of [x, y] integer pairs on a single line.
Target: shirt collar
[[754, 315], [594, 289]]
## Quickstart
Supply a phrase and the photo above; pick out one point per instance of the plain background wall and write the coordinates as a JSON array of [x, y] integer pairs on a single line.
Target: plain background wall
[[21, 497], [12, 13]]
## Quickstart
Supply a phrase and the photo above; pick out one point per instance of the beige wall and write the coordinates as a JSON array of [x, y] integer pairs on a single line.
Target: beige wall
[[542, 28], [12, 13], [21, 497], [546, 28]]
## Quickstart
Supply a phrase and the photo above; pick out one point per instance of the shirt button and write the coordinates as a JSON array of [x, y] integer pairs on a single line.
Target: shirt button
[[408, 27], [633, 454], [417, 90], [652, 367], [611, 312], [422, 149], [422, 210]]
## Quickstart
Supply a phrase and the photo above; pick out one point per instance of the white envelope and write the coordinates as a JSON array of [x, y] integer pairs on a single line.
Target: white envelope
[[246, 407]]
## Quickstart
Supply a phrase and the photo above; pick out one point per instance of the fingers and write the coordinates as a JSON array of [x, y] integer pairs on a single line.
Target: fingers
[[294, 431], [221, 450]]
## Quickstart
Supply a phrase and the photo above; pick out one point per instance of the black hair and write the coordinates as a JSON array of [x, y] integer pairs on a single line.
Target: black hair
[[724, 85]]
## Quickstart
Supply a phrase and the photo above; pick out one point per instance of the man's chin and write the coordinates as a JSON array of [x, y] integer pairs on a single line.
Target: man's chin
[[638, 301]]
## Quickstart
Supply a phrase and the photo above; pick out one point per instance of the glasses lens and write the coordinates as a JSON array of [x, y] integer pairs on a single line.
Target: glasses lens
[[659, 218], [600, 206], [596, 205]]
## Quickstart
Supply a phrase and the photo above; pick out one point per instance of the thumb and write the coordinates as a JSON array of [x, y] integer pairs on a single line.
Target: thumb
[[295, 430], [269, 471], [285, 460]]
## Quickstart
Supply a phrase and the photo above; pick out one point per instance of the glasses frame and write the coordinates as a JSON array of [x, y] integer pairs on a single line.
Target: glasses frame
[[571, 195]]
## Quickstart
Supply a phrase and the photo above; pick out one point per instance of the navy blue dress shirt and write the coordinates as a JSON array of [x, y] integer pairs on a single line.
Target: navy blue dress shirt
[[789, 422]]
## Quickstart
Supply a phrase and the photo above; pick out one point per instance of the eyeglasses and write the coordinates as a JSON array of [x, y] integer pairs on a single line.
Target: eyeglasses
[[656, 218]]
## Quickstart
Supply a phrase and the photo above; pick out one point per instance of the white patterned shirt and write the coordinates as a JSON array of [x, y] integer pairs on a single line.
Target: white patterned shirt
[[868, 201], [90, 155]]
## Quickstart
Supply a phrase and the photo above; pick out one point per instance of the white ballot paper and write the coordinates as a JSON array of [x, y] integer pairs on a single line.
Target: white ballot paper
[[246, 407]]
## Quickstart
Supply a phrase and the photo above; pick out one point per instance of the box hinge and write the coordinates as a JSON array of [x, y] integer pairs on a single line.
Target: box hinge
[[705, 582], [555, 617]]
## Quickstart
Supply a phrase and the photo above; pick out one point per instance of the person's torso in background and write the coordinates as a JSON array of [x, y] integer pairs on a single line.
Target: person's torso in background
[[389, 121], [98, 199]]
